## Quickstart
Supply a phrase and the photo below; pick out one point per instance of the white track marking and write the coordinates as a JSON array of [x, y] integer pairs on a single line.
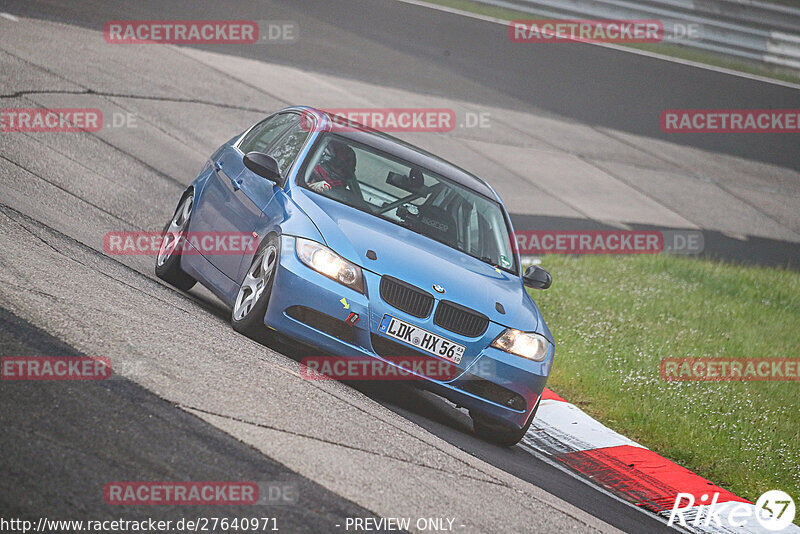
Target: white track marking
[[561, 427]]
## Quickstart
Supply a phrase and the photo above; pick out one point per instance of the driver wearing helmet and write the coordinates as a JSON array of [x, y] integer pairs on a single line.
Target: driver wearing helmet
[[336, 169]]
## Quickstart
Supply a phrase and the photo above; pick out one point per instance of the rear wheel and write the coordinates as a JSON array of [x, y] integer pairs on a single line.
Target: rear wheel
[[253, 297], [168, 261]]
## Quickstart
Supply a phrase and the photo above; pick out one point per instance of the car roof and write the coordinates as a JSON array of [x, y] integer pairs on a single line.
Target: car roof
[[406, 151]]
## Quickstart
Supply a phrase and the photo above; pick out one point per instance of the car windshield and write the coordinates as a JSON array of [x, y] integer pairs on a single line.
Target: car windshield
[[415, 198]]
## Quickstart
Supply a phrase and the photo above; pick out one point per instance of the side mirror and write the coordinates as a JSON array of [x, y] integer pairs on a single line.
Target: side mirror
[[537, 278], [264, 166]]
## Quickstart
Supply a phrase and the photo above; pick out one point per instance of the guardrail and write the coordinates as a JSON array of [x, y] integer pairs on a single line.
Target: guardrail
[[752, 30]]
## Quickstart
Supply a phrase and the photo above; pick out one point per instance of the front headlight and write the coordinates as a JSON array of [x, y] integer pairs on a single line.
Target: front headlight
[[525, 344], [327, 262]]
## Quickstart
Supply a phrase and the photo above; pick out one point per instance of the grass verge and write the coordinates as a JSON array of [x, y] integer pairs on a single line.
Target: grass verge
[[614, 318]]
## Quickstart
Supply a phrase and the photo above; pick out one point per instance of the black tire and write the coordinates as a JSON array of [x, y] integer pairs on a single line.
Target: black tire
[[249, 320], [168, 263], [497, 433]]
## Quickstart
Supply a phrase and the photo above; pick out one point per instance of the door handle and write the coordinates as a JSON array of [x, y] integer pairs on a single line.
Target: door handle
[[217, 166], [237, 184]]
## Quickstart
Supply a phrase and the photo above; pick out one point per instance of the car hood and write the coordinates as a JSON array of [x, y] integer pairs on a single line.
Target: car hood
[[422, 261]]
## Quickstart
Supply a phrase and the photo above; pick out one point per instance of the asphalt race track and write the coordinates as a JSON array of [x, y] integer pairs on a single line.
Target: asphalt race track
[[193, 400], [125, 433], [468, 59]]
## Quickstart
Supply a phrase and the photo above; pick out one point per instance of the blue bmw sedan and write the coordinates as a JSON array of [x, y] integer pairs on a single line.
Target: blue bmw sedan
[[369, 247]]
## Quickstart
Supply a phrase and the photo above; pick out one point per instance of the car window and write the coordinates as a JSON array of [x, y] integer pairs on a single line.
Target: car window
[[382, 185], [261, 137], [289, 145]]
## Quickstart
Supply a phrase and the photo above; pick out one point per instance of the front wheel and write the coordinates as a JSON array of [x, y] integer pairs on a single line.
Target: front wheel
[[489, 431], [253, 297]]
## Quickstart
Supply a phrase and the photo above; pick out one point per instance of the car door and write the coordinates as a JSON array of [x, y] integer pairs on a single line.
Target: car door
[[255, 192], [223, 207]]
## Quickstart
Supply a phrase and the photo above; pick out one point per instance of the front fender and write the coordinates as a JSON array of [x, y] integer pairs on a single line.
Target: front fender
[[283, 217]]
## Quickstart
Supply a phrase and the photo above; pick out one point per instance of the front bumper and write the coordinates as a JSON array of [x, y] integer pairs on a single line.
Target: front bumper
[[312, 308]]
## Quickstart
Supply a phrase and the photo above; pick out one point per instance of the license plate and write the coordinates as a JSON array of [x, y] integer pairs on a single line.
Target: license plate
[[421, 339]]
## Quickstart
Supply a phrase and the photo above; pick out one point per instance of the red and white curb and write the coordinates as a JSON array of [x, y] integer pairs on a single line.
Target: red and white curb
[[631, 471]]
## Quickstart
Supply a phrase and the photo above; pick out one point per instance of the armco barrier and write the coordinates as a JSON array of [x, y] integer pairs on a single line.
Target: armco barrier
[[751, 30]]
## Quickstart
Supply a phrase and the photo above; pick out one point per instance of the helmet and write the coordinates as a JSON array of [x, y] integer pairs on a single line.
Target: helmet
[[340, 158]]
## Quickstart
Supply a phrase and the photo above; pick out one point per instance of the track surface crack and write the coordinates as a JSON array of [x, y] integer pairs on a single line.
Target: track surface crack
[[338, 444]]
